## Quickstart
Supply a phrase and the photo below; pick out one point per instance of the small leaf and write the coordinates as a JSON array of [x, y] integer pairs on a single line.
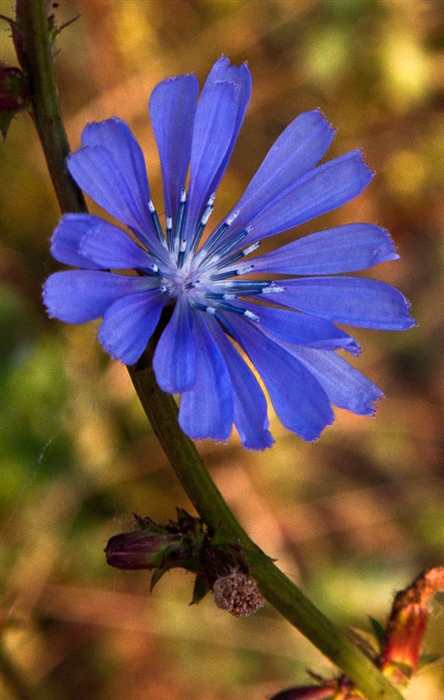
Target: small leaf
[[200, 590], [429, 659], [378, 631], [157, 575], [365, 641]]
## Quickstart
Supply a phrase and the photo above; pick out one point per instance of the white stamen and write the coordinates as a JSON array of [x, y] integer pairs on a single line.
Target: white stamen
[[169, 222], [251, 248], [183, 246], [251, 315], [151, 206], [232, 217], [154, 267], [272, 289], [206, 215], [243, 269], [210, 310]]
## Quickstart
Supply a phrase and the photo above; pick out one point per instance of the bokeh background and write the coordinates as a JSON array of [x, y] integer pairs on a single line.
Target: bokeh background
[[353, 517]]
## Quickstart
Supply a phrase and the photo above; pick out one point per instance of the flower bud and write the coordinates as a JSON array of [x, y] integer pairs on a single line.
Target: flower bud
[[335, 689], [141, 550], [406, 626], [311, 692], [13, 95]]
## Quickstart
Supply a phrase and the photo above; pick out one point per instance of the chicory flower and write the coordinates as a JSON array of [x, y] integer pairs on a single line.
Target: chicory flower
[[277, 309]]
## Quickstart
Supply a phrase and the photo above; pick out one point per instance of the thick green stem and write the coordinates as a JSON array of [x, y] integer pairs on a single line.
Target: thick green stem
[[161, 408]]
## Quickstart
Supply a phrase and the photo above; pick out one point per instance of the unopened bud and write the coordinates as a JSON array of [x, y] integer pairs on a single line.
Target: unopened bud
[[139, 549], [407, 624], [13, 95], [308, 693], [335, 689]]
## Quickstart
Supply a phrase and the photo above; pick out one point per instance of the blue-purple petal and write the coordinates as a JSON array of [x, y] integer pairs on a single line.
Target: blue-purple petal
[[66, 239], [110, 168], [345, 248], [129, 323], [208, 410], [110, 247], [240, 77], [319, 191], [297, 150], [213, 129], [174, 360], [299, 400], [172, 107], [354, 301], [345, 386], [301, 329], [77, 296], [250, 405]]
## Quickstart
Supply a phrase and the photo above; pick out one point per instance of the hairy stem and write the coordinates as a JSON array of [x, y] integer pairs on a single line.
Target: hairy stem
[[36, 57], [161, 408]]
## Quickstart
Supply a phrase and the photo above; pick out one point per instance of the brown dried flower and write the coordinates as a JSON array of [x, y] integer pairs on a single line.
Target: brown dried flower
[[238, 593]]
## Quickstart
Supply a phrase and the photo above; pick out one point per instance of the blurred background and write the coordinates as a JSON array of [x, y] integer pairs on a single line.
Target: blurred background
[[351, 518]]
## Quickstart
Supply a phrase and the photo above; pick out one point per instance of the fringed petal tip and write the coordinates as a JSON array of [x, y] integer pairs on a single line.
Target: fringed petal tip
[[49, 307], [333, 129]]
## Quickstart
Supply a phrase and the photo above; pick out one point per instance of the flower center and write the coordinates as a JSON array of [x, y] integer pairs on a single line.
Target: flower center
[[209, 277]]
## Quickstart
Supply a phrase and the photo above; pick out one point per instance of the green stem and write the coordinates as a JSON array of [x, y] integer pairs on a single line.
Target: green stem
[[37, 62], [161, 408]]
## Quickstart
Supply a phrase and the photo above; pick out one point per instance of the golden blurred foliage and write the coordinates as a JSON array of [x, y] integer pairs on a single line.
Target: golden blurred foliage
[[353, 517]]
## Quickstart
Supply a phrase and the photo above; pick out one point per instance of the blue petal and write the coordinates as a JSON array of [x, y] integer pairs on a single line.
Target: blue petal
[[345, 386], [82, 295], [250, 405], [351, 300], [129, 323], [213, 129], [299, 400], [110, 247], [172, 108], [341, 249], [297, 150], [66, 239], [240, 77], [207, 411], [319, 191], [219, 116], [300, 329], [175, 356], [110, 168]]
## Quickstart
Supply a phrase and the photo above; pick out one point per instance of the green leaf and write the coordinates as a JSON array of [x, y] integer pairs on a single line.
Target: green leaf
[[157, 575], [428, 659], [200, 590], [378, 630]]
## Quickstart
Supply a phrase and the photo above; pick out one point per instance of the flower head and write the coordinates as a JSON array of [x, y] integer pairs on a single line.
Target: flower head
[[217, 290]]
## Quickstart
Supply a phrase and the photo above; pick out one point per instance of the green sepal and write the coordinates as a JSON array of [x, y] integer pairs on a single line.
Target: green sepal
[[426, 660], [200, 590], [366, 641], [378, 631], [5, 121], [157, 575]]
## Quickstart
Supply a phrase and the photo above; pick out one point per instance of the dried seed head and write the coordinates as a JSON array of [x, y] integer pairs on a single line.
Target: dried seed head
[[238, 594]]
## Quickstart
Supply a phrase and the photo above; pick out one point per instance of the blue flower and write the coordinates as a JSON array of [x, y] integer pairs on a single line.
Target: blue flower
[[219, 294]]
